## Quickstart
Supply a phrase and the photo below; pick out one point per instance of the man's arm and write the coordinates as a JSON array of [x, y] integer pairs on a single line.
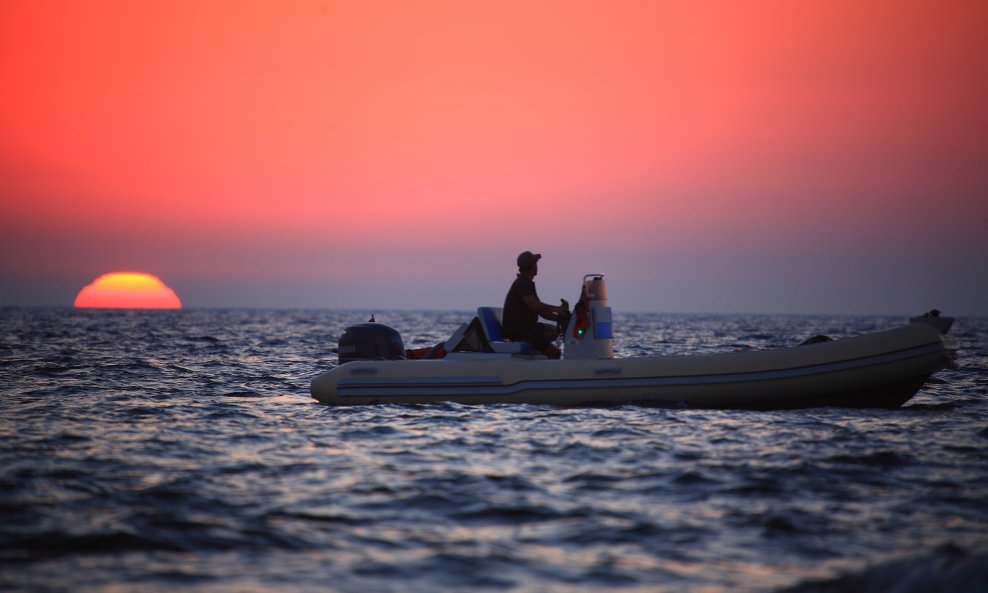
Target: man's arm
[[545, 310]]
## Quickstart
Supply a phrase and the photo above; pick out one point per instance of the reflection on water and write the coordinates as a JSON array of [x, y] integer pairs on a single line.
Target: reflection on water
[[180, 449]]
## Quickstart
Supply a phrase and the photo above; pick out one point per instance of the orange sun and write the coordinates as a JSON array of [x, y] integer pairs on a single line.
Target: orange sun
[[127, 290]]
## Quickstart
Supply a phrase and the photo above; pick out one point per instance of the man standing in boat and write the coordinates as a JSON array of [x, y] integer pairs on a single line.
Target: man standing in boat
[[522, 309]]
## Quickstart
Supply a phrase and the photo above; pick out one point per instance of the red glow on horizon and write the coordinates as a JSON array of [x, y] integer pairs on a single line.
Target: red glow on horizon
[[127, 290], [308, 152]]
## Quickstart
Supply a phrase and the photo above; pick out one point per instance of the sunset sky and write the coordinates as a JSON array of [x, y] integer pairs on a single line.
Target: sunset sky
[[777, 157]]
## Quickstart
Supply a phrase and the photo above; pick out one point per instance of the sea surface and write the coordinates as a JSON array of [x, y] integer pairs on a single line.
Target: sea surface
[[181, 451]]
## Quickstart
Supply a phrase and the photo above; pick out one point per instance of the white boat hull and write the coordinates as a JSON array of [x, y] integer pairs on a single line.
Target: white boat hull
[[883, 369]]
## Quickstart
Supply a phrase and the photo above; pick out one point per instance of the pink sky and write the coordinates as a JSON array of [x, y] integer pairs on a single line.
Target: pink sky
[[706, 156]]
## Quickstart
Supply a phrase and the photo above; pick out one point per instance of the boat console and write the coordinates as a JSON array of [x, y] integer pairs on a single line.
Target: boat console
[[590, 332]]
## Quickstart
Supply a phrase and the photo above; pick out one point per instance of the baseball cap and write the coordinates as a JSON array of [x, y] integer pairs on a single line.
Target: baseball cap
[[528, 258]]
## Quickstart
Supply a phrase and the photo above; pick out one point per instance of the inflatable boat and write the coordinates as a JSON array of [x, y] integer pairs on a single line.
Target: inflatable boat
[[477, 366]]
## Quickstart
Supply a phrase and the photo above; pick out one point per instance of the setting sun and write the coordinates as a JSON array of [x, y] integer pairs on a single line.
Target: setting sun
[[127, 290]]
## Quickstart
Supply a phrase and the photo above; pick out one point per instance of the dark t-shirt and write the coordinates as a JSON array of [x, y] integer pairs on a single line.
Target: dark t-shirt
[[518, 320]]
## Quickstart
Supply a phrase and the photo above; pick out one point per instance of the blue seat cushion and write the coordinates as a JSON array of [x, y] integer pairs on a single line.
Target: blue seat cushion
[[490, 320]]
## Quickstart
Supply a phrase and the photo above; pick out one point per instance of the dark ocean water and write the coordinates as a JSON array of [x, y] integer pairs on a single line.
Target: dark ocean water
[[180, 450]]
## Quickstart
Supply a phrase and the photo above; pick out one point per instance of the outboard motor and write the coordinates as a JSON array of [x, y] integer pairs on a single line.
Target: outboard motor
[[590, 332], [370, 341]]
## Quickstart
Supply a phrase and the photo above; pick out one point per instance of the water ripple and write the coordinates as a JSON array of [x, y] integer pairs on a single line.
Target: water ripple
[[164, 450]]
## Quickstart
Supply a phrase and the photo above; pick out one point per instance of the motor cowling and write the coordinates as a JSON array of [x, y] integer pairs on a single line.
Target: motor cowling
[[370, 341]]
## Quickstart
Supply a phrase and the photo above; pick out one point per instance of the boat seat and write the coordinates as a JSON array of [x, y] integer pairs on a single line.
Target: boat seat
[[490, 321], [454, 341]]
